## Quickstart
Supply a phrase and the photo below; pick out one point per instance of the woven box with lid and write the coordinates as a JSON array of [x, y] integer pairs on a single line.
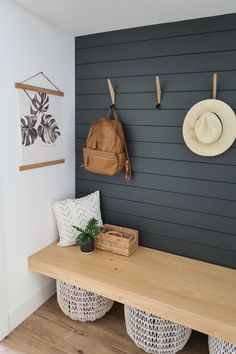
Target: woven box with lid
[[117, 239]]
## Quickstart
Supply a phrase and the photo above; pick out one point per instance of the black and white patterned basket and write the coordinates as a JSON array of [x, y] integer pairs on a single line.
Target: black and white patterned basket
[[80, 304], [154, 334], [219, 346]]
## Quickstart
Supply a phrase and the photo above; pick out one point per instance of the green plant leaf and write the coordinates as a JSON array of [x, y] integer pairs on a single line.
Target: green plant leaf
[[90, 231], [77, 228]]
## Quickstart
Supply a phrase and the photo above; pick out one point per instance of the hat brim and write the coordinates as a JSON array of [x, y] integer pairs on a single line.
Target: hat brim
[[228, 120]]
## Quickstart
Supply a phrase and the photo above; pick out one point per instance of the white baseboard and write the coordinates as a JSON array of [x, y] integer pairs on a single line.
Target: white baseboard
[[18, 315]]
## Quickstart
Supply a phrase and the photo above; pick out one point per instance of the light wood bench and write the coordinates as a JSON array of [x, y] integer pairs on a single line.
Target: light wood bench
[[198, 295]]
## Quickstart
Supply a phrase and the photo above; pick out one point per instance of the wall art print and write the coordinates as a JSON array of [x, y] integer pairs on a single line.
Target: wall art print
[[41, 128]]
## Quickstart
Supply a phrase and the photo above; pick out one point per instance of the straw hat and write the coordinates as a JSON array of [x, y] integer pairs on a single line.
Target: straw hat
[[209, 127]]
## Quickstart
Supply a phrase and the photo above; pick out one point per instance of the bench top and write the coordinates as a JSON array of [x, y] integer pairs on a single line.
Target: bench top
[[198, 295]]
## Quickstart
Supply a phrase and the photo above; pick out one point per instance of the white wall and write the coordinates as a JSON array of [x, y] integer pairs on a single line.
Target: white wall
[[28, 45], [4, 319]]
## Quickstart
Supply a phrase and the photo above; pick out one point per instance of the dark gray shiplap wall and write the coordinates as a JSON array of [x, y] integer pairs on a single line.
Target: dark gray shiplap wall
[[181, 203]]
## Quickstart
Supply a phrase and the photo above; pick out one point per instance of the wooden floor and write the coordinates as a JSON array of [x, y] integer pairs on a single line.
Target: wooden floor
[[48, 331]]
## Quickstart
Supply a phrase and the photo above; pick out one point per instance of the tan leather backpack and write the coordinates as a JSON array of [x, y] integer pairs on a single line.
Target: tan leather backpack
[[105, 151]]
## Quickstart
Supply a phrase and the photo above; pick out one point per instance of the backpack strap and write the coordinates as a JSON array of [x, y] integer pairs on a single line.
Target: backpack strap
[[128, 171]]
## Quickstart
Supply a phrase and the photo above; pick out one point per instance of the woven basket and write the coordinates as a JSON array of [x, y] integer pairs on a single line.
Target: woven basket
[[155, 334], [80, 304], [117, 239], [219, 346]]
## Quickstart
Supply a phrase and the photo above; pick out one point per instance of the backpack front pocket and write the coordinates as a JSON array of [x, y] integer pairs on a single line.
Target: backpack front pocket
[[97, 161]]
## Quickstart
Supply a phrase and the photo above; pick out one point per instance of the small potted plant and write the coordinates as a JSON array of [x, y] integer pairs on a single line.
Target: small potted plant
[[85, 238]]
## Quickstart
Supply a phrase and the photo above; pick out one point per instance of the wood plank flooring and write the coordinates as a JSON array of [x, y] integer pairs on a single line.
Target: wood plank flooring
[[48, 331]]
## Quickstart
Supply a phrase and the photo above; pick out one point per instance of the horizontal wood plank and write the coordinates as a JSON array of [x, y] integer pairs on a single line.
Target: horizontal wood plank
[[167, 151], [40, 164], [204, 42], [173, 224], [178, 217], [169, 82], [134, 116], [206, 172], [180, 64], [211, 189], [164, 198], [168, 243], [182, 28], [182, 290], [23, 86], [142, 133], [146, 101]]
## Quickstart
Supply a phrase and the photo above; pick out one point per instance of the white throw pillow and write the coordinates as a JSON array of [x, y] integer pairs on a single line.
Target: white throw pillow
[[75, 212]]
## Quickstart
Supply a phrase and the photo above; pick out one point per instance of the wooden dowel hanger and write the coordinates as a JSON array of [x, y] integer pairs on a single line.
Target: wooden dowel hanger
[[112, 93], [214, 86], [158, 91], [22, 85]]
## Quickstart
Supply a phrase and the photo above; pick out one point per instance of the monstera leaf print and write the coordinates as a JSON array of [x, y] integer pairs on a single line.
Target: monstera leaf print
[[38, 123], [40, 103], [48, 129], [28, 132]]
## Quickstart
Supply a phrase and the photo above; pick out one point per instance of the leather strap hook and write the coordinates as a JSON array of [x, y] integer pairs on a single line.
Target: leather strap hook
[[158, 91], [214, 86], [112, 93]]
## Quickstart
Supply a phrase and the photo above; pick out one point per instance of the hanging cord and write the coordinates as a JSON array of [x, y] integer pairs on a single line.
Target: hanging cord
[[40, 73], [51, 82], [28, 95], [31, 77]]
